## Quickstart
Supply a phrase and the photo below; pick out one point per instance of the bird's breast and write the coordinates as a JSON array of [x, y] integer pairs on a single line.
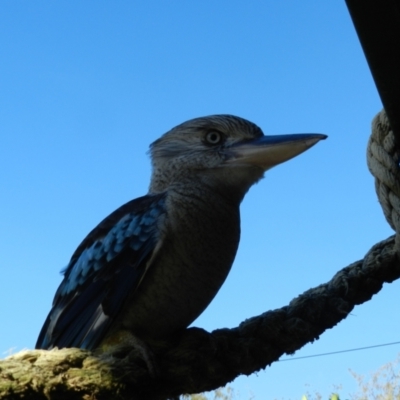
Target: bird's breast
[[199, 236]]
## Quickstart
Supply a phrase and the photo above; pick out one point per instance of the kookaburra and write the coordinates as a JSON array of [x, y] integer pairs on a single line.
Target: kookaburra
[[152, 266]]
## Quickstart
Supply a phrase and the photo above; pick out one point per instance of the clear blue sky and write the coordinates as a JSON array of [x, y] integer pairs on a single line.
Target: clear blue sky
[[86, 86]]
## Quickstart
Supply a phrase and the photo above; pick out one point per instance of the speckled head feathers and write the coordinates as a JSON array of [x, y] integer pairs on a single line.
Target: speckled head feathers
[[221, 150], [188, 150]]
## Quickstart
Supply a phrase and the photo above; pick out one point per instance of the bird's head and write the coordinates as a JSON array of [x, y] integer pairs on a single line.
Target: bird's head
[[222, 151]]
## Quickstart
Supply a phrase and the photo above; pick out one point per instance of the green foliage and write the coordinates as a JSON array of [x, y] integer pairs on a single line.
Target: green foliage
[[225, 393], [317, 396], [383, 384]]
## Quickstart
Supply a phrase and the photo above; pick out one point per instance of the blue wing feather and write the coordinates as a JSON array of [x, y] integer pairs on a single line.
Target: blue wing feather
[[106, 267]]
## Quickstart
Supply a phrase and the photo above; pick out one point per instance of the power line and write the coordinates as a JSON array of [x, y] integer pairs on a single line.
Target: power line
[[340, 351]]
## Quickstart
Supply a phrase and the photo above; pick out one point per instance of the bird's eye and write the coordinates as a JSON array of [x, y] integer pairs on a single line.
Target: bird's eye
[[213, 137]]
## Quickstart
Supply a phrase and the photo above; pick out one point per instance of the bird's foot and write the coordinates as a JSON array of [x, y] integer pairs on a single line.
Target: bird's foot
[[126, 345]]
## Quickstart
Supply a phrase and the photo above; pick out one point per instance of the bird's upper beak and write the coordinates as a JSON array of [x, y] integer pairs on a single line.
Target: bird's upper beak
[[268, 151]]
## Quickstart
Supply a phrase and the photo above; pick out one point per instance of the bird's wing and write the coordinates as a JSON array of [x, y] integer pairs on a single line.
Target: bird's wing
[[106, 267]]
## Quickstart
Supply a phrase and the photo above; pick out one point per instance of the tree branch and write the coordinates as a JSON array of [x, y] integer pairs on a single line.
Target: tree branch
[[196, 360]]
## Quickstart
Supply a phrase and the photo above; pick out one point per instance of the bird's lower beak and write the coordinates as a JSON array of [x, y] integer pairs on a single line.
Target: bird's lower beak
[[268, 151]]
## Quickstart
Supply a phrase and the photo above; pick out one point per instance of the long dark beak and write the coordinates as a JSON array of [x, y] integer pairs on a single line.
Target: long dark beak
[[268, 151]]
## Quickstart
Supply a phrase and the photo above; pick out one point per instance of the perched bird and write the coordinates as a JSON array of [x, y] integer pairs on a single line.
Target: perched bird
[[152, 266]]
